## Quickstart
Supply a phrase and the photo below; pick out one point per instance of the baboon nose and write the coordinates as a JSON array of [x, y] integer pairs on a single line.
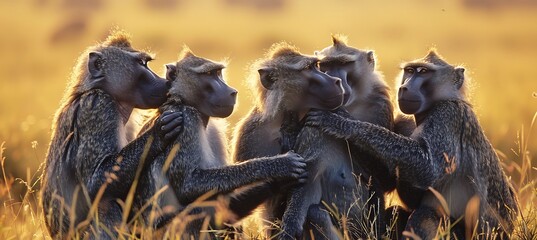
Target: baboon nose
[[403, 89], [234, 93], [338, 81]]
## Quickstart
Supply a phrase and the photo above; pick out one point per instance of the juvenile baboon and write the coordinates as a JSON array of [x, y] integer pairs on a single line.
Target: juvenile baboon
[[88, 152], [447, 154], [289, 85], [200, 165], [351, 182]]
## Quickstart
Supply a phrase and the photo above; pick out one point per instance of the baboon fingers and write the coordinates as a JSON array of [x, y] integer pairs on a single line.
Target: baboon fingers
[[291, 155], [315, 112], [300, 171], [299, 163], [314, 118], [172, 124], [313, 121], [169, 115], [303, 178], [172, 135]]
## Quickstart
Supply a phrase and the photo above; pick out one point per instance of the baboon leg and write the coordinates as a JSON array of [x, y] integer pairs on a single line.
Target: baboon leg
[[109, 218], [318, 224]]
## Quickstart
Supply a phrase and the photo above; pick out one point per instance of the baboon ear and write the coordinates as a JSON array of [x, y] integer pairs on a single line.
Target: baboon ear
[[336, 41], [95, 64], [171, 71], [371, 57], [460, 77], [265, 75]]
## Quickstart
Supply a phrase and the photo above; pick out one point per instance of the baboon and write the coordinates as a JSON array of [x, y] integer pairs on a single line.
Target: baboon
[[89, 158], [287, 86], [447, 170], [200, 165], [345, 177]]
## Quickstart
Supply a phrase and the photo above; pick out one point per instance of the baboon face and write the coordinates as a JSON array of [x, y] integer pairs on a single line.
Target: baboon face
[[346, 63], [199, 83], [303, 85], [219, 97], [322, 91], [427, 81], [126, 76], [339, 70], [416, 89]]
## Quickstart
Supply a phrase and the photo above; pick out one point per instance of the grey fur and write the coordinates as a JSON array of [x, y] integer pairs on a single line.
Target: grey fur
[[347, 179], [269, 128], [89, 147], [449, 128], [200, 166]]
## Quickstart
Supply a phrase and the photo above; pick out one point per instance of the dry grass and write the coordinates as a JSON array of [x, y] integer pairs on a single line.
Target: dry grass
[[41, 40], [22, 220]]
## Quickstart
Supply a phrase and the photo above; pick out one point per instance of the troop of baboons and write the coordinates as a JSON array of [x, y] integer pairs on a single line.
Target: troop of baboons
[[317, 154]]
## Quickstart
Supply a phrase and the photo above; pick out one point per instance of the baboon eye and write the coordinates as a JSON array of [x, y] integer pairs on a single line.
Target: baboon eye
[[143, 62], [422, 69], [214, 72], [409, 70]]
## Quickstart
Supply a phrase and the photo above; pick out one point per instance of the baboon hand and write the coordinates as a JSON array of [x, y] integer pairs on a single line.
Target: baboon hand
[[291, 165], [331, 123], [170, 124]]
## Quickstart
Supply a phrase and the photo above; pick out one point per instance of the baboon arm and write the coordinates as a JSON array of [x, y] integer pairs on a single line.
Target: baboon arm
[[97, 154], [226, 179], [300, 199], [131, 157], [411, 157]]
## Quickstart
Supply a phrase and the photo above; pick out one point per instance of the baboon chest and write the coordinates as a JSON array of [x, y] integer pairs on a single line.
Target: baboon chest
[[210, 150], [338, 164]]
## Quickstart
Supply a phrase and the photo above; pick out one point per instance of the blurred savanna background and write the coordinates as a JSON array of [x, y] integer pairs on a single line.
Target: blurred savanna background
[[40, 40]]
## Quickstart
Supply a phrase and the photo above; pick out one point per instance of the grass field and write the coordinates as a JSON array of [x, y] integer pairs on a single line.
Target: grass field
[[41, 39]]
